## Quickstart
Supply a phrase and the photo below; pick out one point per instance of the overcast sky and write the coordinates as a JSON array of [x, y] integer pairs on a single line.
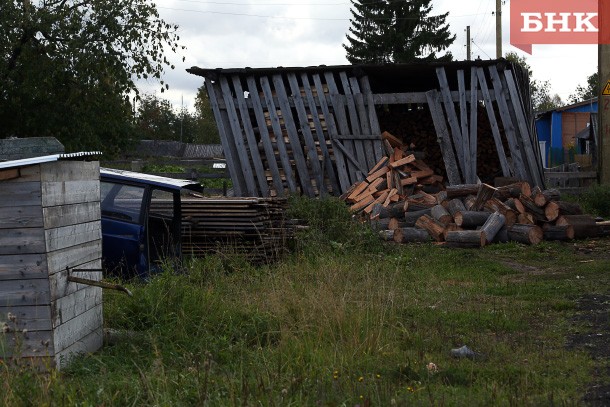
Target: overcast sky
[[271, 33]]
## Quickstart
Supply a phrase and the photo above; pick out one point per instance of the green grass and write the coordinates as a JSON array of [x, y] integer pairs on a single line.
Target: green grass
[[343, 321]]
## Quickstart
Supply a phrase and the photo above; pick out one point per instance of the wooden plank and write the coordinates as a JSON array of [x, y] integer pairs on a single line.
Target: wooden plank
[[443, 138], [364, 122], [465, 146], [23, 267], [22, 241], [58, 171], [312, 151], [474, 112], [228, 146], [352, 114], [66, 215], [87, 344], [518, 167], [8, 174], [293, 136], [372, 116], [38, 344], [350, 158], [73, 235], [494, 124], [246, 123], [238, 138], [532, 160], [277, 130], [74, 256], [266, 140], [454, 125], [26, 193], [417, 97], [327, 161], [342, 167], [61, 287], [71, 306], [18, 216], [18, 293], [33, 317], [71, 331], [69, 192]]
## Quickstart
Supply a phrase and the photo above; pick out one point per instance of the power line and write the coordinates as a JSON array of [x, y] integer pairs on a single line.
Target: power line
[[477, 45]]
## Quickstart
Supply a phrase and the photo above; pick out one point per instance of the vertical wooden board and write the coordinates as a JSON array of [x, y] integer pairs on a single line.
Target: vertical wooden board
[[27, 345], [293, 136], [279, 134], [312, 152], [443, 137], [25, 193], [266, 140], [58, 171], [72, 306], [33, 317], [14, 217], [238, 138], [474, 111], [28, 173], [464, 127], [495, 131], [22, 267], [456, 132], [66, 215], [228, 146], [355, 123], [61, 287], [372, 115], [73, 235], [342, 170], [327, 161], [18, 293], [70, 192], [73, 330], [74, 256], [246, 123], [22, 241], [532, 160], [364, 123], [87, 344], [518, 167]]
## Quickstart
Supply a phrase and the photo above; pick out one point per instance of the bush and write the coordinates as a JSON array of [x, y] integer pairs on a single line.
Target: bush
[[596, 200]]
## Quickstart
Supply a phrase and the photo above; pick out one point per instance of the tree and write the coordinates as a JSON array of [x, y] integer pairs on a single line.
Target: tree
[[540, 91], [386, 31], [588, 92], [208, 132], [67, 67]]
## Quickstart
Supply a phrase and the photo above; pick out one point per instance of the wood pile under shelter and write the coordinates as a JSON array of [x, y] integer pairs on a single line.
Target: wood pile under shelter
[[317, 130], [49, 228]]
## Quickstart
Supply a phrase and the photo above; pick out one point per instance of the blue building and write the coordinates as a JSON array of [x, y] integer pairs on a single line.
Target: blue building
[[567, 135]]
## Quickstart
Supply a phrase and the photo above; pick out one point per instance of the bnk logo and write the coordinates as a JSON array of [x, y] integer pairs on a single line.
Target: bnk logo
[[558, 22]]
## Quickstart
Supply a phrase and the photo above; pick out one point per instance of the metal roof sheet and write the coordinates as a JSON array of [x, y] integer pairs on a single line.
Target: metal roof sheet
[[149, 179], [47, 158]]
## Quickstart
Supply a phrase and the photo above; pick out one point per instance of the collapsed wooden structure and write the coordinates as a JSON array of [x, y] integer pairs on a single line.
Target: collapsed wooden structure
[[316, 130]]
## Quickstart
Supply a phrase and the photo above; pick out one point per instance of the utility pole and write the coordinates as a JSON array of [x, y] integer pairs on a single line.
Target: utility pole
[[498, 29], [603, 104], [468, 41]]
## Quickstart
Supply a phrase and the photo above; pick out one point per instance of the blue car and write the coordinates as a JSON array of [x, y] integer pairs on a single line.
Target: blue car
[[141, 221]]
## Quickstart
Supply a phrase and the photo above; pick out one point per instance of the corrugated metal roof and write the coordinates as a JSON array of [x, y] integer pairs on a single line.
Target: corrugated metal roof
[[47, 158], [156, 180]]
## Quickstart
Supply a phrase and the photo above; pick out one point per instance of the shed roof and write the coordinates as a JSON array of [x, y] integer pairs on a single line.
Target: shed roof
[[47, 158], [137, 177]]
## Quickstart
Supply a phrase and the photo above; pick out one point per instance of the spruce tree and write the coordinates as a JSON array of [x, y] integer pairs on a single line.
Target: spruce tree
[[385, 31]]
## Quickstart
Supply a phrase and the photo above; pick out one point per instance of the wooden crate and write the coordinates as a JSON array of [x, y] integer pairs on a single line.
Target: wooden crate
[[49, 221]]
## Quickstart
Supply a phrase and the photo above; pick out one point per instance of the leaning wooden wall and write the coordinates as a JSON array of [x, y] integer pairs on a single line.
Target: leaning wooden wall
[[49, 222], [296, 133]]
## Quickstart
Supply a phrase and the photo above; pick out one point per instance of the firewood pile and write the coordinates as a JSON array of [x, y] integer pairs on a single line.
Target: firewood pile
[[406, 202]]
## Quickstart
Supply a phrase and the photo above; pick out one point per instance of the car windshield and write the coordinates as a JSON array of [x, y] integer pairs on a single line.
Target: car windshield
[[122, 202]]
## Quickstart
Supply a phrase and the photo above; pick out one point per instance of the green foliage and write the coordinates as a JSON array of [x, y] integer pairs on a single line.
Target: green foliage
[[67, 68], [170, 168], [590, 91], [386, 31], [330, 225], [596, 200], [208, 132]]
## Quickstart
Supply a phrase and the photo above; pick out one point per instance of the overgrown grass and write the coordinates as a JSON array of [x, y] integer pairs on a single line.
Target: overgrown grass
[[595, 200], [339, 325]]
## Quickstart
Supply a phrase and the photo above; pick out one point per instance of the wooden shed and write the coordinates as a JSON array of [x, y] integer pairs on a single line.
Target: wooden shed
[[317, 130], [49, 227]]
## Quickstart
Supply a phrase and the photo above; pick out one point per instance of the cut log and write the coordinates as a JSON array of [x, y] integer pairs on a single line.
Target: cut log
[[492, 226], [411, 205], [456, 205], [395, 223], [412, 217], [469, 201], [562, 233], [513, 191], [532, 208], [434, 228], [380, 224], [471, 219], [357, 190], [409, 235], [457, 191], [527, 234], [362, 204], [381, 163], [379, 173], [441, 197], [554, 209], [404, 161], [394, 210], [392, 140], [466, 239], [387, 235], [485, 193], [538, 197], [502, 236], [552, 195], [526, 219], [440, 213], [515, 205], [495, 205], [584, 225], [452, 227]]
